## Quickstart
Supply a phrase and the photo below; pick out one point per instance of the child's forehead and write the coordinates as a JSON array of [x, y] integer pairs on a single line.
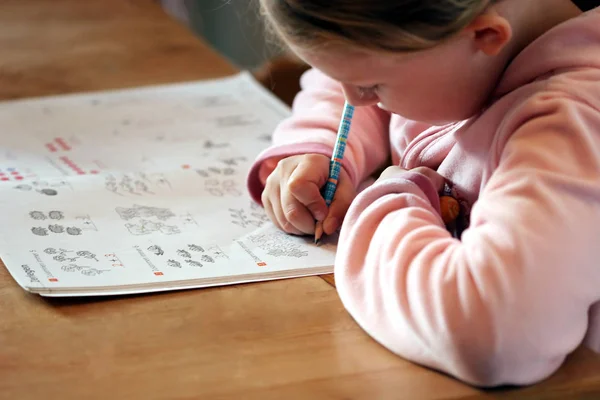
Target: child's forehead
[[351, 64]]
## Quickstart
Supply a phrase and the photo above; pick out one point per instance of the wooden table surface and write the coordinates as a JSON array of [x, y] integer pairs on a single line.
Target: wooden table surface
[[284, 339]]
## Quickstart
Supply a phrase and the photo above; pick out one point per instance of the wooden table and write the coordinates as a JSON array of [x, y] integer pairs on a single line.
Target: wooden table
[[280, 340]]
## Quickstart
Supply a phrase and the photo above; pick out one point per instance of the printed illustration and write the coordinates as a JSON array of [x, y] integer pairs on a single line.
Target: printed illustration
[[214, 171], [64, 255], [46, 188], [145, 220], [37, 215], [75, 227], [146, 227], [40, 216], [83, 269], [184, 254], [114, 259], [174, 263], [55, 228], [218, 188], [217, 252], [255, 217], [136, 184], [207, 258], [278, 244], [156, 250], [197, 248], [57, 215], [234, 161], [138, 211], [194, 263]]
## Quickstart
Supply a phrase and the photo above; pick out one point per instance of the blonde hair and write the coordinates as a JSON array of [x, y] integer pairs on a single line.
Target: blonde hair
[[383, 25]]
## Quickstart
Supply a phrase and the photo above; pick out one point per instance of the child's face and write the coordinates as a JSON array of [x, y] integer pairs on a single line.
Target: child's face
[[449, 82]]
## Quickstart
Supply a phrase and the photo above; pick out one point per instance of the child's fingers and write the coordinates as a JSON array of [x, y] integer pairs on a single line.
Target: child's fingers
[[305, 185], [282, 222], [342, 200], [296, 213], [268, 207]]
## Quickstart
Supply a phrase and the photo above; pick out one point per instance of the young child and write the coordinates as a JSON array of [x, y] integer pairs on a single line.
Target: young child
[[498, 104]]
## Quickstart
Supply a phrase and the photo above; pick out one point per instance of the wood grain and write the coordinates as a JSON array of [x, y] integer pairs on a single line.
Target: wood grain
[[288, 339]]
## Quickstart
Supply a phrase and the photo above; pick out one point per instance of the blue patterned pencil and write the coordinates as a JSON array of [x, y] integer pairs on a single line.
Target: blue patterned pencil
[[335, 165]]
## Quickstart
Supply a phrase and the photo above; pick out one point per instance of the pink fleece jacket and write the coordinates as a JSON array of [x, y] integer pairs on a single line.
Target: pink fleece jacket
[[505, 301]]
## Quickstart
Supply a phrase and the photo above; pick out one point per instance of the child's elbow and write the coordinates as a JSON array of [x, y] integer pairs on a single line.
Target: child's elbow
[[489, 364]]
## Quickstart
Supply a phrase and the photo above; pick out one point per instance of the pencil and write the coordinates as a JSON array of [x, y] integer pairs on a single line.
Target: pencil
[[335, 165]]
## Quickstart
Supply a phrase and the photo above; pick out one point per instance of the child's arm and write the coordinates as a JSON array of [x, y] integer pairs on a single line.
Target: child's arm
[[312, 129], [509, 301]]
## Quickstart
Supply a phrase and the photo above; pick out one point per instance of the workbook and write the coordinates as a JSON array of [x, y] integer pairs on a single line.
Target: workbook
[[143, 190]]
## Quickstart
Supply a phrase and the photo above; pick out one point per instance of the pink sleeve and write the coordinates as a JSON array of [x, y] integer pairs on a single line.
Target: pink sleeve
[[313, 127], [507, 302]]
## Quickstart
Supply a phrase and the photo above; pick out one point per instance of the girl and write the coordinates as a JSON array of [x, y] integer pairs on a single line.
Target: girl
[[498, 103]]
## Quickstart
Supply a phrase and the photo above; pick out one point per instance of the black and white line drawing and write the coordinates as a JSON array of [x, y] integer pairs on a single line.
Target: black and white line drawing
[[46, 188], [146, 227], [63, 255], [218, 188], [39, 231], [57, 215], [136, 184], [194, 247], [156, 250], [55, 228], [83, 269], [184, 254], [74, 231], [187, 219], [194, 263], [142, 220], [45, 191], [114, 259], [217, 252], [234, 161], [254, 217], [86, 222], [87, 254], [139, 211], [278, 244], [207, 258], [37, 215], [212, 171], [174, 263]]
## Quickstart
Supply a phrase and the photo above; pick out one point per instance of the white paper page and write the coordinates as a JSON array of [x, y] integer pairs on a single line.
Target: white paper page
[[141, 187]]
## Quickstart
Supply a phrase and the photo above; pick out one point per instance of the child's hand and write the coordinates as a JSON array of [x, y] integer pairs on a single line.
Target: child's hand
[[292, 196]]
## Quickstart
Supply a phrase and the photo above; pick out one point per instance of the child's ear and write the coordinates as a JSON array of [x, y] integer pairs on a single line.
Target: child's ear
[[490, 32]]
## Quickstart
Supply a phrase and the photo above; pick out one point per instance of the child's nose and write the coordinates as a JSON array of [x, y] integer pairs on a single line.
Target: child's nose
[[359, 97]]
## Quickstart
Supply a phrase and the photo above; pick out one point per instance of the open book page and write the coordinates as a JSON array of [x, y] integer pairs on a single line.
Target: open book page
[[142, 190]]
